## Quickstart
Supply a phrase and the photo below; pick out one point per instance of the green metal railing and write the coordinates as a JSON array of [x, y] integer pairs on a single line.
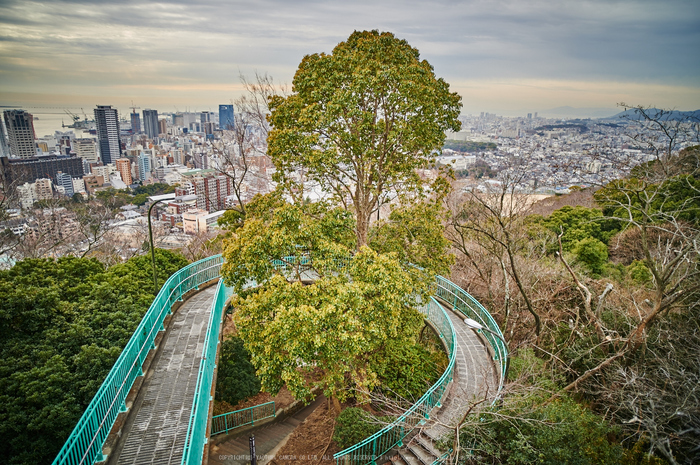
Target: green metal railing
[[471, 308], [248, 416], [85, 442], [84, 445], [380, 443], [392, 435], [197, 429]]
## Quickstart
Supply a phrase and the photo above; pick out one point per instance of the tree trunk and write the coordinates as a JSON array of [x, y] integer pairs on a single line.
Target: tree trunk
[[516, 276], [362, 226], [336, 405]]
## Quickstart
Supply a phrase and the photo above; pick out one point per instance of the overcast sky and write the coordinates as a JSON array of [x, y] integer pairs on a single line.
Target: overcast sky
[[504, 56]]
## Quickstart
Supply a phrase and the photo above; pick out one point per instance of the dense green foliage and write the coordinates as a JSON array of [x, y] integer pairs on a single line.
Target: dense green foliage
[[115, 198], [406, 371], [414, 232], [157, 188], [359, 305], [466, 146], [592, 254], [235, 379], [360, 121], [63, 323], [577, 223], [646, 199], [355, 424]]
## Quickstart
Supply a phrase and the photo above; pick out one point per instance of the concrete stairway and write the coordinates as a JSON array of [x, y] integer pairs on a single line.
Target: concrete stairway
[[420, 450], [235, 449]]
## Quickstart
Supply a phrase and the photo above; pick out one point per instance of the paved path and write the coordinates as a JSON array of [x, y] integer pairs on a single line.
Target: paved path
[[474, 373], [155, 431], [236, 450]]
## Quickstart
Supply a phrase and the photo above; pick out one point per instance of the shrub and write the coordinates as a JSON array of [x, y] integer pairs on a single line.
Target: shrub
[[525, 428], [408, 370], [639, 272], [354, 424], [555, 433], [592, 254], [236, 379]]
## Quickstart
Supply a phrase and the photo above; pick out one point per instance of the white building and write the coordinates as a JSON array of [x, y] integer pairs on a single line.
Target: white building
[[79, 185], [199, 221], [27, 194], [458, 162], [86, 149]]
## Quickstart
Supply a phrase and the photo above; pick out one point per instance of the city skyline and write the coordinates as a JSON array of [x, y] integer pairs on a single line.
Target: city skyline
[[506, 57]]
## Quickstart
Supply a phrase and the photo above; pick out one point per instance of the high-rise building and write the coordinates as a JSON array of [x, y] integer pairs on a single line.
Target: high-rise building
[[4, 148], [124, 168], [21, 170], [107, 121], [163, 126], [20, 133], [66, 181], [226, 120], [135, 122], [150, 123], [144, 167], [44, 190]]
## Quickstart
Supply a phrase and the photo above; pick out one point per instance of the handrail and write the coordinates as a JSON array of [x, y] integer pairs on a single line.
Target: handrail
[[84, 445], [381, 442], [392, 435], [247, 416], [470, 307], [199, 415]]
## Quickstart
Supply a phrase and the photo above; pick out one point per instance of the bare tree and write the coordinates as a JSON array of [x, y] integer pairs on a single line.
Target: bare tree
[[658, 205], [492, 217], [93, 223], [202, 245], [656, 396], [241, 150]]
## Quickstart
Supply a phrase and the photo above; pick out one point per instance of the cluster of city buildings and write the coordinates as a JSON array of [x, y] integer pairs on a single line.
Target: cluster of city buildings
[[194, 152], [552, 155], [187, 149]]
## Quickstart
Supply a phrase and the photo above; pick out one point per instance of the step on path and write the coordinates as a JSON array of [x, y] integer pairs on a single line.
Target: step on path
[[475, 372], [236, 451], [155, 431]]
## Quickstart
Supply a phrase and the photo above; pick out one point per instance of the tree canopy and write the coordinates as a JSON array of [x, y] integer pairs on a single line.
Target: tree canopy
[[360, 121], [63, 323], [317, 306], [332, 296]]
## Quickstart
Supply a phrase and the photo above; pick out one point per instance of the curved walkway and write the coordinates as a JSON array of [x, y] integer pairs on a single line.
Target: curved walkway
[[156, 428], [474, 377], [155, 431], [474, 374], [269, 438]]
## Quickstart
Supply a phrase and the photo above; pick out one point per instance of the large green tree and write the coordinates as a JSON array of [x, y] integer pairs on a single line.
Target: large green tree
[[360, 121], [317, 307]]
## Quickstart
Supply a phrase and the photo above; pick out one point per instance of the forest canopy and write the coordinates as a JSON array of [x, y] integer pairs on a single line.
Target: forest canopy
[[63, 323]]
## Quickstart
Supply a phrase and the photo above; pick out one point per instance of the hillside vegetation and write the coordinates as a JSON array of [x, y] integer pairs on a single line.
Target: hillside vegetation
[[63, 323], [599, 305]]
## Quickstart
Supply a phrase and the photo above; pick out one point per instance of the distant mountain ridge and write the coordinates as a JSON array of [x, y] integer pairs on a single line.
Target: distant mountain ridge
[[571, 112], [665, 115]]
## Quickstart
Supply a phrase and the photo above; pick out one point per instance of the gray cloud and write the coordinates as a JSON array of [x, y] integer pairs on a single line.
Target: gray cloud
[[102, 43]]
